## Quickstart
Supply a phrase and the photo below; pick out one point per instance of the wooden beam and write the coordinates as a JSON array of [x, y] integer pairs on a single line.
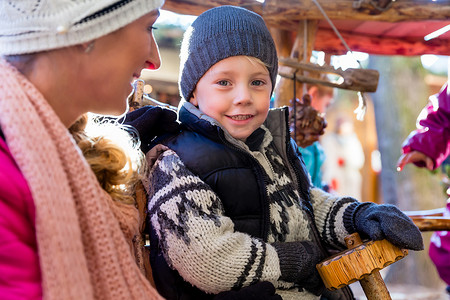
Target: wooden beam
[[363, 80], [287, 13], [327, 41], [196, 7]]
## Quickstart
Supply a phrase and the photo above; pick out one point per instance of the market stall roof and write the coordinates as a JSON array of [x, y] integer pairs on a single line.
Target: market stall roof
[[386, 27]]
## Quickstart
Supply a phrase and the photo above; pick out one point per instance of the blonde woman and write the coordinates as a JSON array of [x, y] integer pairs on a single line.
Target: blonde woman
[[61, 235]]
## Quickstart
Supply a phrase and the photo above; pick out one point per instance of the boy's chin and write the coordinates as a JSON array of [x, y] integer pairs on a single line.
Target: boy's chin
[[241, 137]]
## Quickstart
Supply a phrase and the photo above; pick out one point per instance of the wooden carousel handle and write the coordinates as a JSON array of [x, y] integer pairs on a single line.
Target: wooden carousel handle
[[135, 100], [361, 262]]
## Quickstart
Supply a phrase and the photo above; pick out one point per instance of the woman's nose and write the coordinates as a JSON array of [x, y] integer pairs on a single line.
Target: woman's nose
[[154, 60]]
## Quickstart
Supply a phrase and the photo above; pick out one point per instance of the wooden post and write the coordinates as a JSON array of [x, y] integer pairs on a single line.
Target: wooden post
[[283, 41], [284, 89]]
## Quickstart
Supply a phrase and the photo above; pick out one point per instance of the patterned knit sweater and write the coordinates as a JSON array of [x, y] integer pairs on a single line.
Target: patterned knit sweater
[[199, 240]]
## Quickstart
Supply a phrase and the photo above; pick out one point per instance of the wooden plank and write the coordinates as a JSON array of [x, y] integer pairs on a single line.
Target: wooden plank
[[432, 223], [287, 13], [196, 7], [363, 80], [327, 41]]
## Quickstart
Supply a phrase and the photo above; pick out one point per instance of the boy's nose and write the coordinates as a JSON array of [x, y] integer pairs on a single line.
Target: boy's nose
[[243, 95]]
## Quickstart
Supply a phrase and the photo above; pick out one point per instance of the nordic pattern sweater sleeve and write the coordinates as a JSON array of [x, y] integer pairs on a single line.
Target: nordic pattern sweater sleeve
[[197, 239], [329, 216]]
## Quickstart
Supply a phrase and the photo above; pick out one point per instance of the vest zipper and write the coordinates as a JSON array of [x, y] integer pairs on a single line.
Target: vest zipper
[[260, 173], [309, 213]]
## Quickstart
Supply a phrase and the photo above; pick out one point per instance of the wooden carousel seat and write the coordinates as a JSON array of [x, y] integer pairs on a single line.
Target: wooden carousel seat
[[362, 261]]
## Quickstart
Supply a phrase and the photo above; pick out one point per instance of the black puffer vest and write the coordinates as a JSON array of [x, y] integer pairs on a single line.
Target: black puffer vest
[[233, 174]]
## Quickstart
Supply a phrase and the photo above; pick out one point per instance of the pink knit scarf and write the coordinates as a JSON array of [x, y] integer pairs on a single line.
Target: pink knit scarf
[[81, 233]]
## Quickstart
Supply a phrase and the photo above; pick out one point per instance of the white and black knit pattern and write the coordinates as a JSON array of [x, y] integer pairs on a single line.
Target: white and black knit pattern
[[199, 241], [188, 218], [288, 219]]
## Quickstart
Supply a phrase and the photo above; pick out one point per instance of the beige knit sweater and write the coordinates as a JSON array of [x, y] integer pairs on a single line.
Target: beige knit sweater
[[83, 236]]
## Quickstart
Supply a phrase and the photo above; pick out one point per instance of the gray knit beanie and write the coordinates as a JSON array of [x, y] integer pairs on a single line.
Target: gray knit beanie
[[29, 26], [219, 33]]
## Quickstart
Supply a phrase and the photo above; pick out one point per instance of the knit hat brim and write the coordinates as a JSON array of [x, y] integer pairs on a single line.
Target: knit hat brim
[[220, 33]]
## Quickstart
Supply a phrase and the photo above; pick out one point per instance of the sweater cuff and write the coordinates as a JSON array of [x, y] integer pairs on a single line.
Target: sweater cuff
[[350, 214]]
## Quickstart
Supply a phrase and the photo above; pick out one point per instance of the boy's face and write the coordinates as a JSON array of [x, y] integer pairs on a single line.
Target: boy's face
[[236, 93]]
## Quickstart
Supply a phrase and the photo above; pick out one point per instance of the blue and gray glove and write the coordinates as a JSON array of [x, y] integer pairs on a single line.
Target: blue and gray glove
[[298, 264], [384, 221]]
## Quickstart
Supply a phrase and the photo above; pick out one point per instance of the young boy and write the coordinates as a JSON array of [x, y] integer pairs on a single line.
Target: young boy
[[231, 203]]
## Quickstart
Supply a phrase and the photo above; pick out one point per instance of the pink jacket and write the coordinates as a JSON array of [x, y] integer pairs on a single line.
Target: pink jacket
[[434, 141], [20, 276], [433, 136], [440, 251]]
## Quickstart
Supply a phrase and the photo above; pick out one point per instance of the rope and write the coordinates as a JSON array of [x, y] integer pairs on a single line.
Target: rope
[[335, 30], [360, 111], [295, 106]]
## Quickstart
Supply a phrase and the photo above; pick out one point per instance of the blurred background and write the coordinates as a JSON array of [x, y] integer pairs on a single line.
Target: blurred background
[[405, 83]]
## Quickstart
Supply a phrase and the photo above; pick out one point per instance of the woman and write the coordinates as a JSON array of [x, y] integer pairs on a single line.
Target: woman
[[61, 235]]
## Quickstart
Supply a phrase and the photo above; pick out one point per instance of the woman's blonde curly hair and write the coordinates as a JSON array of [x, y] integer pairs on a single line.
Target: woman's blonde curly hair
[[113, 155]]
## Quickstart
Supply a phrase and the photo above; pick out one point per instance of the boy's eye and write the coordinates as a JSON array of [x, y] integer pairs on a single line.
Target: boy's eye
[[258, 82], [223, 82], [150, 28]]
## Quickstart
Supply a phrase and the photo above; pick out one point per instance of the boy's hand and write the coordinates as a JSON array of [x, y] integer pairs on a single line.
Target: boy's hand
[[298, 262], [153, 154], [387, 222], [152, 121]]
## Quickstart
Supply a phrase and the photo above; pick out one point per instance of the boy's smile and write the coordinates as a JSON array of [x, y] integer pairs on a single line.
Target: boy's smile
[[236, 93]]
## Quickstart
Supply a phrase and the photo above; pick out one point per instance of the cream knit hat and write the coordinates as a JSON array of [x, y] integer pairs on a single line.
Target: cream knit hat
[[28, 26]]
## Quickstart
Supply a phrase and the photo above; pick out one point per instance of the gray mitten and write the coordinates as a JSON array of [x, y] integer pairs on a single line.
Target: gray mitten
[[298, 264], [384, 221]]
